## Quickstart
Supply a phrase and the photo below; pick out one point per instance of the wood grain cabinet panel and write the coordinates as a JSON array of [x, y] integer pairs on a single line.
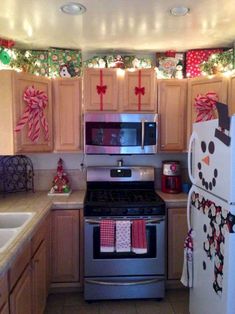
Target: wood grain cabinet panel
[[139, 91], [172, 110], [20, 298], [5, 309], [99, 100], [67, 114], [3, 293], [65, 246], [201, 86], [12, 88], [177, 231]]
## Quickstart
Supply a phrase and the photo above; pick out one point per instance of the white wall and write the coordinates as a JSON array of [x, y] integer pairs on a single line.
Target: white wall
[[74, 160]]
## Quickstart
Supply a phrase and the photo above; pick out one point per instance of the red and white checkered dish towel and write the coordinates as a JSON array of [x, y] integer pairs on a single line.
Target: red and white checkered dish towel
[[107, 227], [123, 236], [139, 243]]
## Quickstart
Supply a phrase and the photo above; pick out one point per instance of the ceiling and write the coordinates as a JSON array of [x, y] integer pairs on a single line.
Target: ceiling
[[119, 25]]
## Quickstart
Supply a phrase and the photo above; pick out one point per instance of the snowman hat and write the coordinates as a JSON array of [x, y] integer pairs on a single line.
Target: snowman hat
[[222, 133]]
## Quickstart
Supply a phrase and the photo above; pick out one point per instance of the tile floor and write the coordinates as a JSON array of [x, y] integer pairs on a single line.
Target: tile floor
[[176, 302]]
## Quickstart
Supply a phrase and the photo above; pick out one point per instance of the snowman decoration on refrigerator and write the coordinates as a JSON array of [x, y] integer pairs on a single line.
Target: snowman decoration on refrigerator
[[221, 220]]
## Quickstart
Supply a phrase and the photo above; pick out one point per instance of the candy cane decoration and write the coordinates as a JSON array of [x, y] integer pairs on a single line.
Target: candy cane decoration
[[36, 102], [205, 106]]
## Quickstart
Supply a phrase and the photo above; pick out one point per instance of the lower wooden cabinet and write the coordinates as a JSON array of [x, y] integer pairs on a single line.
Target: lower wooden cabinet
[[20, 298], [177, 231], [39, 279], [5, 309], [65, 246]]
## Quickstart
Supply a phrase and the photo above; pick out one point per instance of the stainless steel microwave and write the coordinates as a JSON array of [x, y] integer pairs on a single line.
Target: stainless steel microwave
[[120, 133]]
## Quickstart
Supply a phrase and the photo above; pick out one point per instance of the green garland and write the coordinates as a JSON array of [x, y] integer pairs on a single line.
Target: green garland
[[218, 63], [23, 60]]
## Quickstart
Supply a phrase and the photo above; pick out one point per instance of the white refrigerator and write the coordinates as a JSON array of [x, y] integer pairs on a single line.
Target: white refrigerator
[[210, 214]]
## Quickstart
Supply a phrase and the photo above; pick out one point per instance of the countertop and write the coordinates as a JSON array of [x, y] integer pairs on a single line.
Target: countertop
[[40, 203]]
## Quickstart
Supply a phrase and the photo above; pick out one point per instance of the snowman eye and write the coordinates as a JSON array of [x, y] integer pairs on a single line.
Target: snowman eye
[[211, 147], [203, 146]]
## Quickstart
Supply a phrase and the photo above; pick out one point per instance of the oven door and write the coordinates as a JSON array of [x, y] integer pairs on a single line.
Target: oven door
[[120, 133], [125, 264]]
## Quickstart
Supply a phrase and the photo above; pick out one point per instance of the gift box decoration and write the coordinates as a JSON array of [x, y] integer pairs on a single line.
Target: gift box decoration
[[167, 64], [64, 62], [195, 57]]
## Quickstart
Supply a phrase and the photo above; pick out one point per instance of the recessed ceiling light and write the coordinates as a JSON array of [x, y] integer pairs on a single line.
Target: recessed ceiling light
[[73, 8], [179, 11]]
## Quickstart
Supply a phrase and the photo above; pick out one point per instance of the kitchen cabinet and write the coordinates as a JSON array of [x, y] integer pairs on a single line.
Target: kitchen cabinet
[[139, 91], [201, 86], [20, 298], [100, 90], [67, 114], [4, 307], [177, 231], [65, 246], [231, 95], [172, 111], [39, 279], [12, 88]]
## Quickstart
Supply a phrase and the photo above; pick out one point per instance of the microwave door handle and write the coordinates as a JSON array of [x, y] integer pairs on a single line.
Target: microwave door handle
[[142, 133]]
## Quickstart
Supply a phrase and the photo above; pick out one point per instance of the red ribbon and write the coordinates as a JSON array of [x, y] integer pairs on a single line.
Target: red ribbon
[[101, 90], [139, 90], [36, 102], [6, 43], [205, 106]]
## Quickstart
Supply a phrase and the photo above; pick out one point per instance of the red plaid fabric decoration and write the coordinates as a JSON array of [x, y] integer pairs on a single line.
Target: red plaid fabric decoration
[[139, 243], [107, 228]]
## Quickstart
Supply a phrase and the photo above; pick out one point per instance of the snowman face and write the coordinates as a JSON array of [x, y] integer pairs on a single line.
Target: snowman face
[[208, 150]]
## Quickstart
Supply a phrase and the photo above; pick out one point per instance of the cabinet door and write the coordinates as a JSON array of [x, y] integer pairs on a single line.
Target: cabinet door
[[20, 298], [100, 90], [65, 246], [3, 292], [177, 231], [172, 110], [67, 105], [22, 142], [202, 86], [231, 95], [39, 279], [5, 309], [139, 91]]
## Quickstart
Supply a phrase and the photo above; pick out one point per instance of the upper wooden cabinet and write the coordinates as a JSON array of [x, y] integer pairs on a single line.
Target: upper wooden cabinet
[[172, 109], [100, 90], [67, 114], [202, 86], [139, 91], [231, 95], [13, 105]]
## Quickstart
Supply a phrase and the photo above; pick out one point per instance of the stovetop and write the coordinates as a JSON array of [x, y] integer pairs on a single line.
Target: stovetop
[[99, 202]]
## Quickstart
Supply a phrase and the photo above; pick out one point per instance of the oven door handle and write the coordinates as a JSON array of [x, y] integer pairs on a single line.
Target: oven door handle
[[147, 221], [125, 283]]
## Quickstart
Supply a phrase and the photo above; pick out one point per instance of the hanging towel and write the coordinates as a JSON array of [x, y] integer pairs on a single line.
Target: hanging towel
[[187, 273], [139, 243], [123, 236], [107, 227]]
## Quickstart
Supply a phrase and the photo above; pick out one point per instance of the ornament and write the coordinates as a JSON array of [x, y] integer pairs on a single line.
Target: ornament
[[4, 57], [60, 181]]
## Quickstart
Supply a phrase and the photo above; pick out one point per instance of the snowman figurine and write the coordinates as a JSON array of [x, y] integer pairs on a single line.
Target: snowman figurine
[[64, 72], [179, 70]]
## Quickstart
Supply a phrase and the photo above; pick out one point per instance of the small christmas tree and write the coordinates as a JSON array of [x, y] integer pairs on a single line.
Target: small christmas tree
[[60, 181]]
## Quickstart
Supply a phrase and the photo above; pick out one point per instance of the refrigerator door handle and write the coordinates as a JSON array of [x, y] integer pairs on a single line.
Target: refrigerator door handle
[[192, 139], [189, 208]]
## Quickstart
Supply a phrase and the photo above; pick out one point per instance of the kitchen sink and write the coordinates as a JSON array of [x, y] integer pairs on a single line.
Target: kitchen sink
[[6, 237], [14, 220]]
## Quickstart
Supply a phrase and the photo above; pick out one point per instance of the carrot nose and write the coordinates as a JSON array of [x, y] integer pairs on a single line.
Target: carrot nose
[[206, 160]]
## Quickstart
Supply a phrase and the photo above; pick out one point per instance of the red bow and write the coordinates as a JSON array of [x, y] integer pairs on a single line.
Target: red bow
[[139, 90], [6, 43], [101, 89], [33, 114], [205, 106]]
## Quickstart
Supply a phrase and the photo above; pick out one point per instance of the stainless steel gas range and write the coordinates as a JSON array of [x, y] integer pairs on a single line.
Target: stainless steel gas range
[[123, 194]]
